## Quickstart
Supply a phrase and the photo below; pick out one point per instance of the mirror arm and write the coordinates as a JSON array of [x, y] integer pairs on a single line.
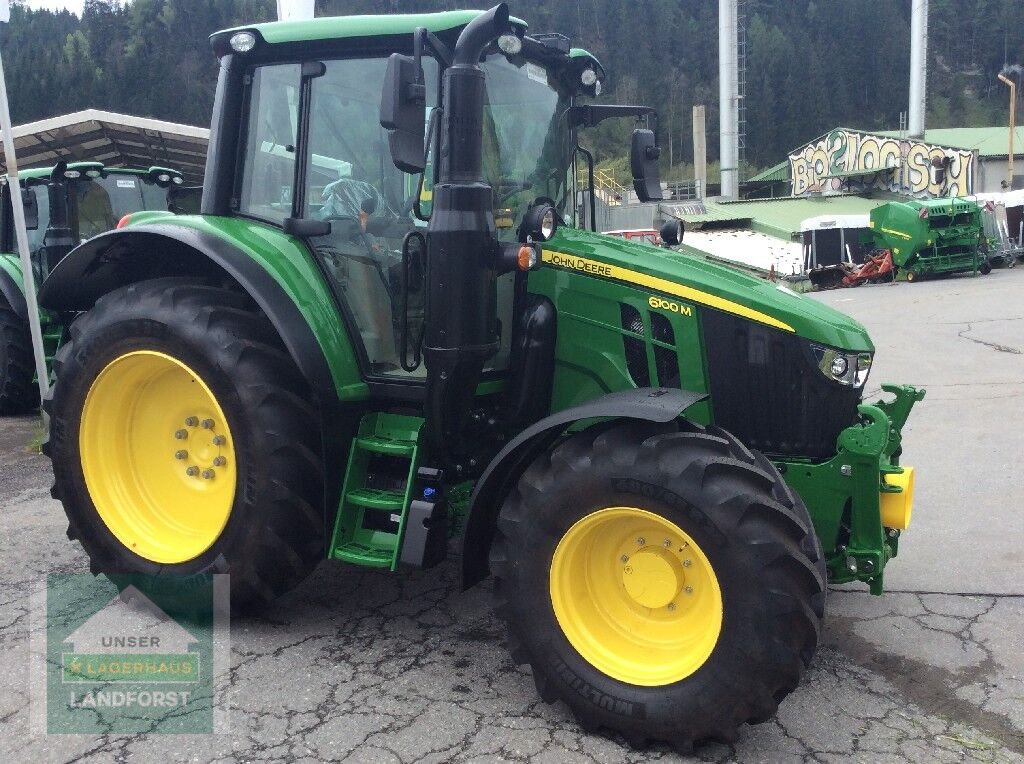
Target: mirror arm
[[442, 52], [590, 183], [426, 152]]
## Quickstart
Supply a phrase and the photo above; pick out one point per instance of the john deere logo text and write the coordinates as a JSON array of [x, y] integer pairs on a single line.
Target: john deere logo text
[[578, 264]]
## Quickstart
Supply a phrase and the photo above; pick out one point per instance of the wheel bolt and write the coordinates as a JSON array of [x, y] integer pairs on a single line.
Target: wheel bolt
[[192, 421], [687, 563], [182, 454], [688, 590], [180, 434], [207, 424], [219, 461], [192, 471], [671, 606], [641, 541], [208, 474], [667, 543], [219, 440], [624, 558]]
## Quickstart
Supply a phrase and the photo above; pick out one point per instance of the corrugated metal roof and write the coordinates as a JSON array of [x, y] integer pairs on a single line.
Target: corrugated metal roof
[[751, 248], [704, 214], [988, 141], [774, 174], [782, 217], [113, 139]]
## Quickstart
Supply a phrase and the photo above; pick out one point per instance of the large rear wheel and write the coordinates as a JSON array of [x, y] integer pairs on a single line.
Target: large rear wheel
[[666, 585], [183, 443], [18, 393]]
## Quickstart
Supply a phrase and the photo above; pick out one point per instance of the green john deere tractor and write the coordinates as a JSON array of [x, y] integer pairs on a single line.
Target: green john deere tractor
[[386, 327], [64, 205]]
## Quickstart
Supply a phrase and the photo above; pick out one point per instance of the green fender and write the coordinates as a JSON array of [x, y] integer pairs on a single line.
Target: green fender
[[275, 269]]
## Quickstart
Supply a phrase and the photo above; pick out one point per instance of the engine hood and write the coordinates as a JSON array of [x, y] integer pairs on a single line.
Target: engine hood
[[689, 276]]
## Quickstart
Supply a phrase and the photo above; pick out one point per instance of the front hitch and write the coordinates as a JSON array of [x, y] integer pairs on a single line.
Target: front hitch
[[861, 499]]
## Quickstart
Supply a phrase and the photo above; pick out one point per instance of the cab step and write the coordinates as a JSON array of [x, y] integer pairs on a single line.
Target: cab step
[[375, 498], [377, 492]]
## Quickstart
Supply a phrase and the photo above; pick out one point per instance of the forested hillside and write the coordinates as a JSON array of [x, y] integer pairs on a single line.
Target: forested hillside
[[813, 64]]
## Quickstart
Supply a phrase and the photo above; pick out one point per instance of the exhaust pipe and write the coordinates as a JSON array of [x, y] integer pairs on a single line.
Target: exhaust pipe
[[462, 248]]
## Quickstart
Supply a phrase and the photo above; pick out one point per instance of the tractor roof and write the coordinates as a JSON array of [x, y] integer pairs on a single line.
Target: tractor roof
[[36, 173], [341, 27]]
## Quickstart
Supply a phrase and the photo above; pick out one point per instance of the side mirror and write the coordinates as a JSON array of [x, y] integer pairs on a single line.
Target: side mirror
[[672, 232], [31, 205], [403, 112], [643, 163]]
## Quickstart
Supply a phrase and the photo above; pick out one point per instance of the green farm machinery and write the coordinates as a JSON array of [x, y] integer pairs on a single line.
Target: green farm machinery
[[386, 329], [64, 206], [930, 237]]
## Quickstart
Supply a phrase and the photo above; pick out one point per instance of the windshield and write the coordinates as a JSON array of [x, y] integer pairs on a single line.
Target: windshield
[[103, 201], [527, 151]]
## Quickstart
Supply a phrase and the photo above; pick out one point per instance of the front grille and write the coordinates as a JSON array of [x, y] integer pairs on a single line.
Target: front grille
[[767, 391]]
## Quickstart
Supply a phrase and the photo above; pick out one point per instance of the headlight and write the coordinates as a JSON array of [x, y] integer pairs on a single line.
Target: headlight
[[863, 368], [539, 223], [510, 44], [242, 42], [842, 367], [839, 366]]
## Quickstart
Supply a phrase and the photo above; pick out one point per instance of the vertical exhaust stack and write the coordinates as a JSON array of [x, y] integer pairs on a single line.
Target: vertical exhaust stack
[[918, 67], [728, 95], [462, 243]]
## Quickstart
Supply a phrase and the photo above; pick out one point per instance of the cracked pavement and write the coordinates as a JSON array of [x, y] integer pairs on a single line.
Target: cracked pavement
[[369, 666]]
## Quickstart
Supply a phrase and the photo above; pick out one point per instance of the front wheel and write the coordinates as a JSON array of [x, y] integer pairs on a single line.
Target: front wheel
[[666, 585], [183, 443]]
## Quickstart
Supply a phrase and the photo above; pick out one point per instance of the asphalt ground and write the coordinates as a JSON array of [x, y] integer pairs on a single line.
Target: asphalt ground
[[371, 666]]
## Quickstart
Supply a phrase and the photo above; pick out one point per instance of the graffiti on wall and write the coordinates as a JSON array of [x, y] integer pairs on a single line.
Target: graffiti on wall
[[904, 166]]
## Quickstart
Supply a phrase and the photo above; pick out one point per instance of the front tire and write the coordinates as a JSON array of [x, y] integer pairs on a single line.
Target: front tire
[[183, 443], [665, 585]]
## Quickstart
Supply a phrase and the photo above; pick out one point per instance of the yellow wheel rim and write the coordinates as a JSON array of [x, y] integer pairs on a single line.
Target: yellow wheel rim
[[635, 596], [157, 456]]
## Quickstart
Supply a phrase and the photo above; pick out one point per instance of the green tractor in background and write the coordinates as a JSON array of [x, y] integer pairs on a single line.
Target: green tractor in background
[[362, 347], [64, 205]]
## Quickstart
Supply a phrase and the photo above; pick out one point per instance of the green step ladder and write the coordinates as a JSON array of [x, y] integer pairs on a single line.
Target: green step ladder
[[371, 521]]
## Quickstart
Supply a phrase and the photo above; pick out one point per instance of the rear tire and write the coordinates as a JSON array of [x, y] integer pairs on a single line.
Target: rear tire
[[985, 268], [18, 393], [744, 521], [270, 531]]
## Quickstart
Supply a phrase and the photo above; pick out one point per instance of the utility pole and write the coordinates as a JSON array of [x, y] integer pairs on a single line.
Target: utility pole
[[20, 233], [700, 152]]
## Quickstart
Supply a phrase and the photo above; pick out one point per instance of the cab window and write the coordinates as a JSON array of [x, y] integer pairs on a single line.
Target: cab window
[[268, 172]]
